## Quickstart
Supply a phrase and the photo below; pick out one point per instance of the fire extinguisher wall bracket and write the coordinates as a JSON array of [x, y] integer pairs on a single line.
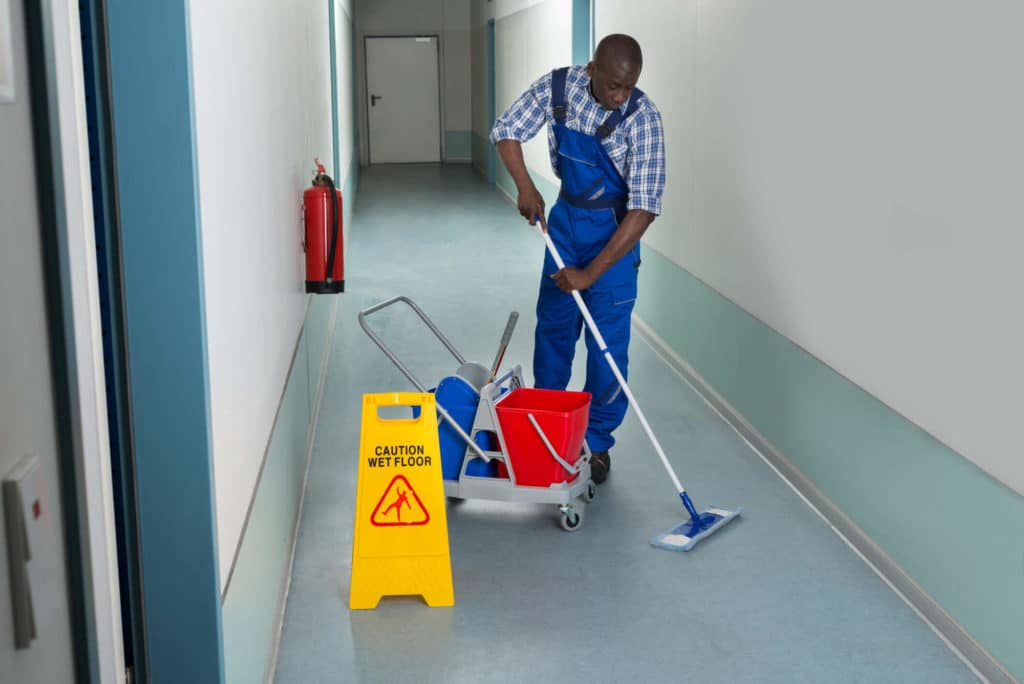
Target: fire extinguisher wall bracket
[[322, 205]]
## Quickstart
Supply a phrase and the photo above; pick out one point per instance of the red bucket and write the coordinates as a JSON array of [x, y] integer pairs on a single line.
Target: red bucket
[[563, 418]]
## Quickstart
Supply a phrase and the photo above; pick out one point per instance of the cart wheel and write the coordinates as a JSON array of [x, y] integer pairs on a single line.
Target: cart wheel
[[571, 520], [590, 492]]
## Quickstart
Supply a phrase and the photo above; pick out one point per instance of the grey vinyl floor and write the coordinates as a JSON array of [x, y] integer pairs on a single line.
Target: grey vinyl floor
[[775, 596]]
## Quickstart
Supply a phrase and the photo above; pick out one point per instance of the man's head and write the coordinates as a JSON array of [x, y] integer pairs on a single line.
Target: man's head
[[615, 70]]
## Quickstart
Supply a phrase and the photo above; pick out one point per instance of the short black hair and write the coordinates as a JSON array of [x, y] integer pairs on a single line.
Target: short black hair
[[619, 49]]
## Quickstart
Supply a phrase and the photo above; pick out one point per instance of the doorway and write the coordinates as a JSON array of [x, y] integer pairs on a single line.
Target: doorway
[[403, 99]]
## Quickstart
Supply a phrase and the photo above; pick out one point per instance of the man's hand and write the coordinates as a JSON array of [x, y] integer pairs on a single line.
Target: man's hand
[[571, 278], [531, 204], [623, 239]]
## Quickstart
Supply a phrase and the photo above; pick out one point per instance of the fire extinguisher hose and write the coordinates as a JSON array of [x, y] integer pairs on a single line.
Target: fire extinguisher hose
[[334, 235]]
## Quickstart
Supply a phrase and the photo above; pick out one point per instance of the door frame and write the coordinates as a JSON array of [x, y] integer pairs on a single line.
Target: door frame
[[440, 92], [56, 90], [492, 94]]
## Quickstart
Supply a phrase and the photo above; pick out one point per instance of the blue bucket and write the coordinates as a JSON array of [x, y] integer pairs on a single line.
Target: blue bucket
[[477, 466], [460, 400]]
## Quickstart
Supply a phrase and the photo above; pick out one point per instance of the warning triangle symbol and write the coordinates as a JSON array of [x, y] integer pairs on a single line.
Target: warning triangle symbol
[[400, 505]]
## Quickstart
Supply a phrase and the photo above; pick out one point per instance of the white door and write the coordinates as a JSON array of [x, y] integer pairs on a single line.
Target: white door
[[36, 630], [403, 100]]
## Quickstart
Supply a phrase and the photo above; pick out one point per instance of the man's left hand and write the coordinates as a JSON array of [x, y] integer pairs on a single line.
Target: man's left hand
[[571, 278]]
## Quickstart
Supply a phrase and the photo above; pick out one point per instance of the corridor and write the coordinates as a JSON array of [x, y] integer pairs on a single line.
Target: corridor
[[774, 597]]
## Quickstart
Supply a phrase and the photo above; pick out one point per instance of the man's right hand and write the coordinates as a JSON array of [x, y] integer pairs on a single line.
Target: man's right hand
[[531, 204]]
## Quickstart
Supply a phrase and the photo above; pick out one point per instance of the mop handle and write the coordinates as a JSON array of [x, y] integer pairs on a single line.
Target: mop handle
[[611, 361], [506, 336]]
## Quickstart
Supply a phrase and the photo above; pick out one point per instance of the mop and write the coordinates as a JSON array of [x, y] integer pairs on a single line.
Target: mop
[[701, 525]]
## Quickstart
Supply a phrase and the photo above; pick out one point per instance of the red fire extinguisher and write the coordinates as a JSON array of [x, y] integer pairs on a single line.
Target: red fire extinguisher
[[325, 262]]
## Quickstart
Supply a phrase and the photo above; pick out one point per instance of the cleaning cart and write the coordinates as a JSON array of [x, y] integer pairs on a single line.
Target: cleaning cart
[[500, 440]]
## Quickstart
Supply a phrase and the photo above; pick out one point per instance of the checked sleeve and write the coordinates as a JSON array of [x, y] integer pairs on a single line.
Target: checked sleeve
[[645, 162], [527, 115]]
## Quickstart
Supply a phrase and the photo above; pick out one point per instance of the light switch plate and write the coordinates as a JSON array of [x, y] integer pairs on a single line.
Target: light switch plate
[[23, 523]]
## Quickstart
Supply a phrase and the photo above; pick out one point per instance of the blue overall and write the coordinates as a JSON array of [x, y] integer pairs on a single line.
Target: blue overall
[[590, 205]]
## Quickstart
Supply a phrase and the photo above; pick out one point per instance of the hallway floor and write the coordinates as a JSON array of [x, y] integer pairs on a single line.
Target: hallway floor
[[776, 596]]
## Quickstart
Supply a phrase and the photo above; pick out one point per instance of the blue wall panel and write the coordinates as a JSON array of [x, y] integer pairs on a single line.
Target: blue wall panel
[[151, 85]]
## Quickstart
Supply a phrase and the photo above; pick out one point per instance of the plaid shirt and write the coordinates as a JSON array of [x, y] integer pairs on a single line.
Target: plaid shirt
[[636, 147]]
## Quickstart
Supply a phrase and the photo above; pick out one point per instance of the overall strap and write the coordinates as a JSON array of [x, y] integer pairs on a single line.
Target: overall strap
[[558, 93], [617, 117]]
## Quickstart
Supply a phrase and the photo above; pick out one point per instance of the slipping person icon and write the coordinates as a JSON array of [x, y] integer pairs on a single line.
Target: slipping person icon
[[403, 498]]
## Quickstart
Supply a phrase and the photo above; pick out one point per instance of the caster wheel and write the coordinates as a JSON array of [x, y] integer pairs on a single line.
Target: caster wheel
[[590, 492], [454, 500], [571, 520]]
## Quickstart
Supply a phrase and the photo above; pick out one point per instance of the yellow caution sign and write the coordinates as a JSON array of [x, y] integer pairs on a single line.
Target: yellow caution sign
[[400, 538]]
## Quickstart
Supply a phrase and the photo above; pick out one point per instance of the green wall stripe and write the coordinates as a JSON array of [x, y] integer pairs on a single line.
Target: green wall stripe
[[954, 529], [481, 155], [254, 603], [458, 145]]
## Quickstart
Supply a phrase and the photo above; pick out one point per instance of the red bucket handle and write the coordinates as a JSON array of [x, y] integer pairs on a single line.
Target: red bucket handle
[[570, 468]]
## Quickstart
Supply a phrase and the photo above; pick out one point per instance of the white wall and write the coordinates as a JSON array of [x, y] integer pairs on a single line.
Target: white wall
[[447, 19], [849, 173], [531, 38], [263, 111]]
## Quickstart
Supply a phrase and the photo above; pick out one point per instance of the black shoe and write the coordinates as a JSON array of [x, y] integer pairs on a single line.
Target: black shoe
[[600, 464]]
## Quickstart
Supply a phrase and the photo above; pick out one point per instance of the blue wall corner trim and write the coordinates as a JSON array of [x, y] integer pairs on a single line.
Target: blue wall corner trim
[[153, 113], [580, 31], [334, 91]]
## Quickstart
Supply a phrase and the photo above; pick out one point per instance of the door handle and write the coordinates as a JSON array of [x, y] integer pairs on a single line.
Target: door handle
[[374, 98]]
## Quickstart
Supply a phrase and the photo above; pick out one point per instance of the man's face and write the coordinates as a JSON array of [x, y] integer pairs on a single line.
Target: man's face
[[612, 84]]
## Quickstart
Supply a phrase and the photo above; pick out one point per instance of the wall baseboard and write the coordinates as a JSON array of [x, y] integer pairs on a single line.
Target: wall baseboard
[[981, 662]]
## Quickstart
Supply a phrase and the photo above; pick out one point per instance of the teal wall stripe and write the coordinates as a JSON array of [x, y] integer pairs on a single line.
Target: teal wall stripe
[[949, 525], [255, 600], [153, 117], [458, 145], [580, 31], [350, 191], [481, 152]]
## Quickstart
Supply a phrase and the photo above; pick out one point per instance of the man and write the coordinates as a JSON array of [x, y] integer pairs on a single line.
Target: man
[[608, 148]]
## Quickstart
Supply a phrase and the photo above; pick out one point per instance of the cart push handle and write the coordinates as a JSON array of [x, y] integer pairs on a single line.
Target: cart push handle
[[365, 313]]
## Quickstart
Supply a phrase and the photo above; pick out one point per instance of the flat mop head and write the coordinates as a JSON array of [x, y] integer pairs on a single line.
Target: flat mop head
[[685, 536]]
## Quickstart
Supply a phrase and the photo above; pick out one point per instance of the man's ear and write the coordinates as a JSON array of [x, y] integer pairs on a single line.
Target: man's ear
[[590, 69]]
